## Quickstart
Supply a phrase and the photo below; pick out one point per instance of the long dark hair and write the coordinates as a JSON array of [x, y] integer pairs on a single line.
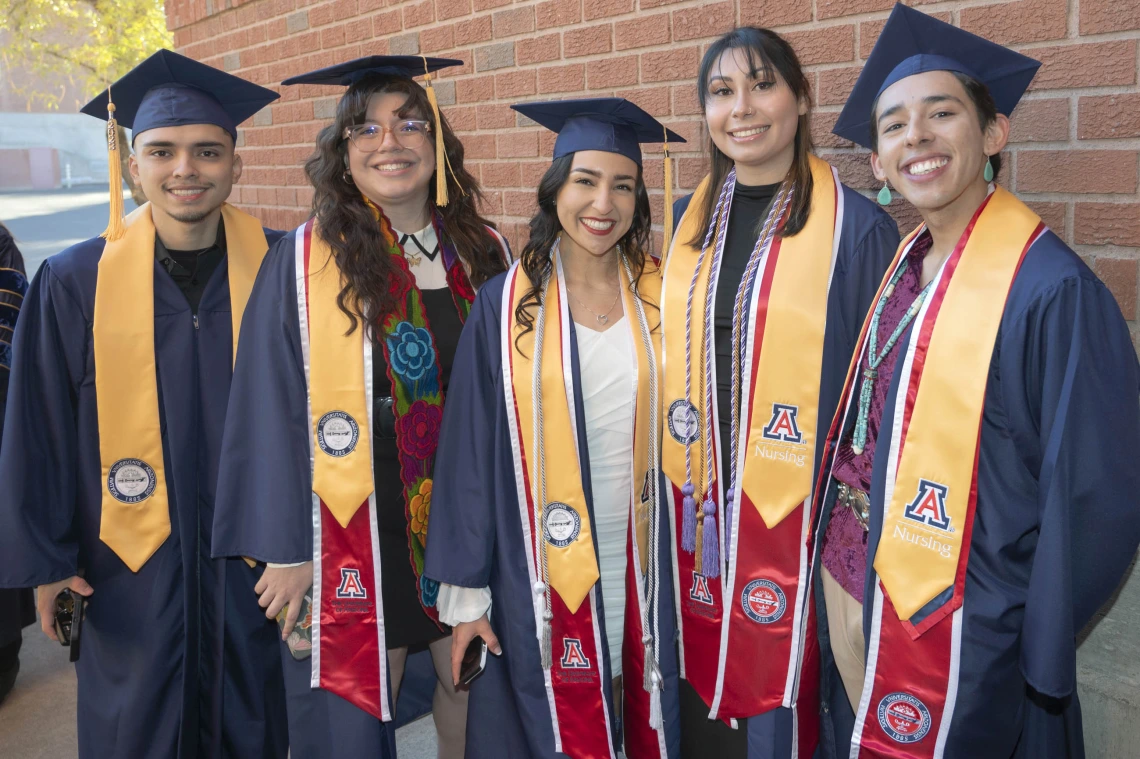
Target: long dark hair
[[349, 227], [545, 227], [766, 52]]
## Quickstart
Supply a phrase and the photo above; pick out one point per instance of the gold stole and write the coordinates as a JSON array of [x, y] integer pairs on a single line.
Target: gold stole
[[572, 565], [934, 486], [785, 387], [135, 518]]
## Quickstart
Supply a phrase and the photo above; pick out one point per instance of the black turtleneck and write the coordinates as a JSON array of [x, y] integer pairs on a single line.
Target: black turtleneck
[[191, 269]]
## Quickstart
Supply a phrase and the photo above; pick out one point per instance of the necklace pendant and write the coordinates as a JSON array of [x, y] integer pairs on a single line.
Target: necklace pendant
[[603, 318], [413, 260]]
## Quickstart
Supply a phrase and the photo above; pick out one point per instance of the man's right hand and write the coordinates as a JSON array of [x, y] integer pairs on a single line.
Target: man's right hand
[[462, 635], [284, 585], [45, 601]]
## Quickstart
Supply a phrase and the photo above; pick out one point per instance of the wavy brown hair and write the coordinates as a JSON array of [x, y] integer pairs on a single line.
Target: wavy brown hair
[[349, 227], [767, 54], [545, 227]]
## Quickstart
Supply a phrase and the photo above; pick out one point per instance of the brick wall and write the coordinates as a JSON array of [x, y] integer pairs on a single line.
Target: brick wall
[[1075, 138]]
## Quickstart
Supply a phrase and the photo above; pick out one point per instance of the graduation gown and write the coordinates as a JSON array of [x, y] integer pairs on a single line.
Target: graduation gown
[[1056, 522], [477, 541], [177, 659], [868, 241]]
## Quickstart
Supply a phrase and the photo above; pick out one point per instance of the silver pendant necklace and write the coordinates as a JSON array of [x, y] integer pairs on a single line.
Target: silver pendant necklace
[[603, 319]]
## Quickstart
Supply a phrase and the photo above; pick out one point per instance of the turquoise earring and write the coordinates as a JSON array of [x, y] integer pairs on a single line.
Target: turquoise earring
[[988, 172], [884, 196]]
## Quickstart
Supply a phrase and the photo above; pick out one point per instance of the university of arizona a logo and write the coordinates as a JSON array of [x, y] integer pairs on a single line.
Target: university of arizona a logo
[[572, 655], [929, 505], [700, 591], [350, 585], [904, 718], [783, 426]]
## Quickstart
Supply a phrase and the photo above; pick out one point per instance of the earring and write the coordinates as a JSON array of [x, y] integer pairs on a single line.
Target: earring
[[347, 177], [988, 172], [884, 196]]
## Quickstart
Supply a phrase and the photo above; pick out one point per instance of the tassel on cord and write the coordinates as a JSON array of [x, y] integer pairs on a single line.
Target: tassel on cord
[[441, 160], [647, 681], [689, 519], [656, 722], [668, 229], [544, 646], [710, 559], [116, 227]]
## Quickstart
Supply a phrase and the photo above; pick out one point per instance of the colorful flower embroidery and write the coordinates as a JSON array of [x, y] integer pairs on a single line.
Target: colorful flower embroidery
[[419, 426], [420, 507], [410, 351]]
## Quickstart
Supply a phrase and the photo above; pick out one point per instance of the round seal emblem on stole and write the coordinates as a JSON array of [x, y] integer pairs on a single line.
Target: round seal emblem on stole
[[131, 480], [904, 718], [763, 601], [337, 433], [561, 524], [683, 423]]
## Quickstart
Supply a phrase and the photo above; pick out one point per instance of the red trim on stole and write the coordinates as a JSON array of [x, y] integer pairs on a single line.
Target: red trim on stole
[[349, 638]]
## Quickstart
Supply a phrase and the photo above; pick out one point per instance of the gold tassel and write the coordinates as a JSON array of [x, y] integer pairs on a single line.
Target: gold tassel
[[700, 538], [115, 226], [441, 162], [668, 230]]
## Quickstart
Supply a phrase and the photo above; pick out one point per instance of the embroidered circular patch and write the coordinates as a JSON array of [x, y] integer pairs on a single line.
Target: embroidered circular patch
[[904, 718], [683, 423], [561, 524], [131, 480], [337, 433], [763, 601]]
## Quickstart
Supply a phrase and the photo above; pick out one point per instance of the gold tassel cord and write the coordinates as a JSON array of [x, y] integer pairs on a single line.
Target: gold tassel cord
[[441, 162], [668, 227], [115, 225]]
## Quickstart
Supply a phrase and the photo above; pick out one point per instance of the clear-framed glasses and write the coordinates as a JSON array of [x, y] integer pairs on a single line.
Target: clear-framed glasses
[[369, 137]]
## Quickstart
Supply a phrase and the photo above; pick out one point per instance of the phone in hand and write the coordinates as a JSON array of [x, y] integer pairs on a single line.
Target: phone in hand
[[474, 660], [300, 640], [69, 610]]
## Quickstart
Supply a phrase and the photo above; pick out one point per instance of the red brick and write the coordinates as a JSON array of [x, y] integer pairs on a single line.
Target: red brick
[[834, 8], [692, 131], [437, 38], [476, 89], [670, 65], [595, 9], [832, 44], [690, 171], [835, 85], [1120, 276], [1098, 16], [491, 204], [611, 72], [462, 119], [445, 9], [854, 170], [650, 4], [1107, 224], [517, 144], [821, 126], [1053, 214], [570, 78], [654, 100], [546, 141], [1108, 117], [519, 203], [869, 32], [384, 24], [357, 32], [653, 174], [501, 174], [532, 172], [1092, 171], [486, 5], [478, 146], [685, 101], [1040, 121], [470, 31], [514, 21], [709, 20], [498, 116], [538, 49], [769, 13], [514, 84], [419, 14], [1092, 64], [1019, 21], [557, 13], [590, 40], [642, 31]]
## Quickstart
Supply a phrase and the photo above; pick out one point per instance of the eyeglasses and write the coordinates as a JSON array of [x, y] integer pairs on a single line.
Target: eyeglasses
[[369, 137]]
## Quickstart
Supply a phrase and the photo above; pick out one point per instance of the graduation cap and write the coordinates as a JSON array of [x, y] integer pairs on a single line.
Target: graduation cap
[[400, 67], [168, 89], [913, 43], [612, 125]]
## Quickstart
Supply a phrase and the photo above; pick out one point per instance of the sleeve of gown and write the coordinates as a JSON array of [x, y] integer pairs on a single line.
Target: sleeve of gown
[[466, 490], [457, 604], [13, 288], [264, 503], [863, 271], [39, 459], [1072, 387]]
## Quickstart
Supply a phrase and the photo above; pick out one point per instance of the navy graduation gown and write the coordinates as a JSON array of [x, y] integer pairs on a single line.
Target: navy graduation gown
[[477, 541], [1057, 519], [177, 659], [868, 242]]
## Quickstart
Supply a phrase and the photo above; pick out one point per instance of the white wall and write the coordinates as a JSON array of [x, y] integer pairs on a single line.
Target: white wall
[[80, 139]]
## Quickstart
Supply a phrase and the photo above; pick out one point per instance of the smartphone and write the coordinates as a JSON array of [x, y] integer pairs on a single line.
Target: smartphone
[[300, 640], [474, 660], [69, 609]]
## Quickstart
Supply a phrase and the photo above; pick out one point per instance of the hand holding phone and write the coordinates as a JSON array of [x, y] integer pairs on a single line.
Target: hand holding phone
[[69, 610], [474, 661]]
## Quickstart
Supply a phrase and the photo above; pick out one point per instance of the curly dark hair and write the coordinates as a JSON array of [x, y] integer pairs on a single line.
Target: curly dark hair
[[349, 227], [545, 227]]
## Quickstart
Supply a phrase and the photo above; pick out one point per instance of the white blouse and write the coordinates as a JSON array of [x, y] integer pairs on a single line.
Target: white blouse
[[608, 369]]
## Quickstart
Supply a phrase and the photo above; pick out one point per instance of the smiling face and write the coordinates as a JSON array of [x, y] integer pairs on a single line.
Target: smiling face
[[186, 171], [931, 144], [393, 174], [598, 200], [752, 117]]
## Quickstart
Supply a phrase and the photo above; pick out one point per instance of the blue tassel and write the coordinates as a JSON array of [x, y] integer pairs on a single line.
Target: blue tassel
[[689, 519], [710, 553]]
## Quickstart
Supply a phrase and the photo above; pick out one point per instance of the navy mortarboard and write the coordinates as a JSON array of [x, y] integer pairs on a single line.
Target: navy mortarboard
[[913, 43], [613, 125], [168, 89], [397, 66]]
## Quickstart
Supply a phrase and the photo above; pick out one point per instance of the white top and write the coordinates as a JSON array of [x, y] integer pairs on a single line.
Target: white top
[[608, 368]]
